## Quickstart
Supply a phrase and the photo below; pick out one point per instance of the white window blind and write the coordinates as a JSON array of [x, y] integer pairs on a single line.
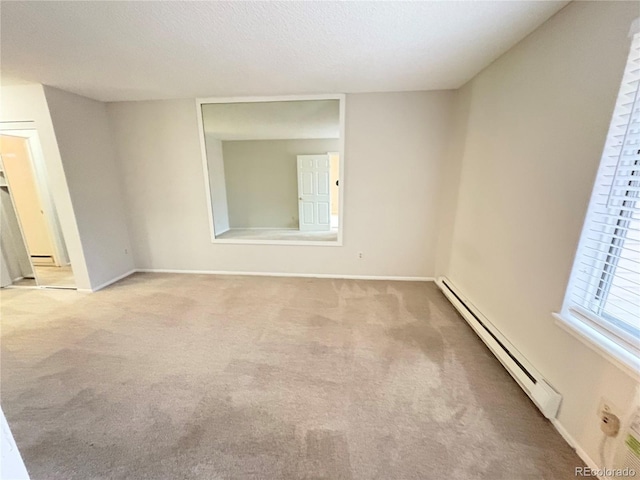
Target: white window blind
[[604, 291]]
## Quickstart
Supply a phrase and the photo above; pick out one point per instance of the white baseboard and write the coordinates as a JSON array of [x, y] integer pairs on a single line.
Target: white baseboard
[[283, 274], [109, 282], [573, 444], [254, 274]]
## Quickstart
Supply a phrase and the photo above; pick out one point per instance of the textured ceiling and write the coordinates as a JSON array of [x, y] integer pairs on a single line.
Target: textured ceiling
[[272, 120], [150, 50]]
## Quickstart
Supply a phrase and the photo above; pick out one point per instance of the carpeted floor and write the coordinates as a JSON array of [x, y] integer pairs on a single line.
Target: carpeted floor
[[52, 276], [49, 276], [192, 376]]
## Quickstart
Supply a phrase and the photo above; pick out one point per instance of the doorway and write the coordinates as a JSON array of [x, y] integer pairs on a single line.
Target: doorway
[[34, 252], [314, 193]]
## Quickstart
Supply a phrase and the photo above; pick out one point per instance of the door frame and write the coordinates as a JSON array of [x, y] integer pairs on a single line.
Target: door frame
[[281, 98]]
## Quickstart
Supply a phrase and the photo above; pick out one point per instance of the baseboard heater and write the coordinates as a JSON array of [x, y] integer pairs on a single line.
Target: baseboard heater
[[536, 387]]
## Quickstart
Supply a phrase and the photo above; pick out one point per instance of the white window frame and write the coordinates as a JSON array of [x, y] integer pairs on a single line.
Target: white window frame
[[597, 331]]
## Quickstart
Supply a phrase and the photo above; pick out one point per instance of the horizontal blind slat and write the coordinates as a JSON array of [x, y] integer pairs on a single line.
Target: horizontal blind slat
[[631, 294], [577, 297]]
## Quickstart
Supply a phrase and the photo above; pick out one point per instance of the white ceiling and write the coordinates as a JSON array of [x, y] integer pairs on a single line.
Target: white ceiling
[[150, 50], [272, 120]]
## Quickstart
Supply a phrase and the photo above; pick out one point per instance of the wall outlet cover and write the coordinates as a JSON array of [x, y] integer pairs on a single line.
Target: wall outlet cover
[[607, 406]]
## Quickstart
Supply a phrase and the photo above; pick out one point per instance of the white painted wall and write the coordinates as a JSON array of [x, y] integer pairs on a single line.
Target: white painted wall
[[11, 465], [28, 103], [395, 147], [218, 184], [537, 122], [84, 139], [262, 179]]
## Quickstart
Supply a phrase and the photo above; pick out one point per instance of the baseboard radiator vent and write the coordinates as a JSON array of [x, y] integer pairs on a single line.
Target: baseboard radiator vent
[[538, 390]]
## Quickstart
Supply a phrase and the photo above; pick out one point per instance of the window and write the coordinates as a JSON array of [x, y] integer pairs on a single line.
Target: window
[[603, 297]]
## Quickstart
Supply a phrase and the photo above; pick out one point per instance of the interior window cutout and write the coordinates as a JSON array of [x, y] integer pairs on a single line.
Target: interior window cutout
[[274, 169]]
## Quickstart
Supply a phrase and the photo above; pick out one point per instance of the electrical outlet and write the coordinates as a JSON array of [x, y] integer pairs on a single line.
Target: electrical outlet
[[609, 424], [360, 255], [609, 420], [606, 406]]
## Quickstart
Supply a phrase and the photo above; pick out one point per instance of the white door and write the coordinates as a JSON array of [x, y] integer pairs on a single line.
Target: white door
[[314, 194]]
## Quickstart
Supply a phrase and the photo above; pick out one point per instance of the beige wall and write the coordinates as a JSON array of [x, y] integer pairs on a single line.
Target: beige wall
[[531, 145], [262, 180], [395, 148], [86, 148]]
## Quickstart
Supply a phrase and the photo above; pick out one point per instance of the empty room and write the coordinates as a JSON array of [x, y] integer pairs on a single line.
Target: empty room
[[320, 240]]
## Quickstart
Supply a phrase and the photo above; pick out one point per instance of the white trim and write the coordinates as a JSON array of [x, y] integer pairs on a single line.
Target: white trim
[[19, 125], [573, 444], [341, 97], [249, 241], [341, 153], [285, 274], [391, 278], [109, 282], [271, 98], [612, 331], [599, 343]]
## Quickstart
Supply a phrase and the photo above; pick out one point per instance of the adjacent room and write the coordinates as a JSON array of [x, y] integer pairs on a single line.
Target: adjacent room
[[273, 168], [320, 240], [31, 230]]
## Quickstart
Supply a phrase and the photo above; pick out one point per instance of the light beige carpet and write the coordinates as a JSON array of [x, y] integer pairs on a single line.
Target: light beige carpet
[[192, 376], [49, 276], [53, 276]]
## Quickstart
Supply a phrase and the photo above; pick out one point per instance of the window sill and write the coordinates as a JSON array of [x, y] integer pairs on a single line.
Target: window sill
[[600, 343], [250, 241]]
